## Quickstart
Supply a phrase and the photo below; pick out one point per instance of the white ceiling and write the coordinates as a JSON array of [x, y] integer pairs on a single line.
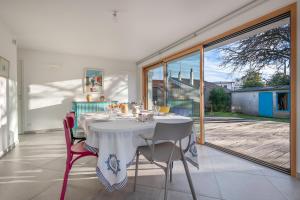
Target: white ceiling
[[86, 27]]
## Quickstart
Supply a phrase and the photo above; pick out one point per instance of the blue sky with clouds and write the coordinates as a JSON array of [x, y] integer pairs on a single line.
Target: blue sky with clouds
[[213, 72]]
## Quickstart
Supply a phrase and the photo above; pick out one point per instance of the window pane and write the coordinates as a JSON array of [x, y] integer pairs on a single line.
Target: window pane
[[155, 87], [183, 82]]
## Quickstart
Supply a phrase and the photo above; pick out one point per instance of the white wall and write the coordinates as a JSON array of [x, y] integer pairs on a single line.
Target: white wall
[[51, 81], [9, 121], [263, 9]]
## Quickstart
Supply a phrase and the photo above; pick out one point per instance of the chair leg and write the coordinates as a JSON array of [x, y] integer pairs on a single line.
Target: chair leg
[[136, 169], [64, 186], [171, 172], [166, 181], [188, 175]]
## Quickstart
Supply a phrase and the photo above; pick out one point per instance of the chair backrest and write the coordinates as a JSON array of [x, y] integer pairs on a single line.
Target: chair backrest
[[68, 138], [172, 131], [71, 119]]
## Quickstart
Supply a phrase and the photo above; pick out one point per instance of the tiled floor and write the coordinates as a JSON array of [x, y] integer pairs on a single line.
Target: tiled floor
[[34, 170]]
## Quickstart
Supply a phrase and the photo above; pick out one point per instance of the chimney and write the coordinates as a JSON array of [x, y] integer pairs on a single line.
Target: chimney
[[179, 73], [192, 77], [179, 76]]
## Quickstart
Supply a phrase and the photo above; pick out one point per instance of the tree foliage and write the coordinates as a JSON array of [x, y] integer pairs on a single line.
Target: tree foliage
[[278, 79], [219, 100], [270, 48], [252, 79]]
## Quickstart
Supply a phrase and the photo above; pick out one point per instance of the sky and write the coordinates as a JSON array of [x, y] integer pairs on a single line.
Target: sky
[[213, 72]]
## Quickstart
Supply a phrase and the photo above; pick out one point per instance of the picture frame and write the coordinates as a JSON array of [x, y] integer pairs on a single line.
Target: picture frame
[[93, 80], [4, 67]]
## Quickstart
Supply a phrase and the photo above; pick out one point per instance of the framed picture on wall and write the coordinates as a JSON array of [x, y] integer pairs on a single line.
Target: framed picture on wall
[[93, 81], [4, 67]]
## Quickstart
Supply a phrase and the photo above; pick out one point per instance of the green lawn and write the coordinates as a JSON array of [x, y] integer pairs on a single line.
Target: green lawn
[[244, 116]]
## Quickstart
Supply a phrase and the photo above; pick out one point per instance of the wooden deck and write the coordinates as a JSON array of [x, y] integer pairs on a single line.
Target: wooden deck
[[264, 140]]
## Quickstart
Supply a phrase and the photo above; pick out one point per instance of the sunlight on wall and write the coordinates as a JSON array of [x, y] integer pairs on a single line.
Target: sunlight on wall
[[53, 93], [116, 87], [48, 102], [3, 102], [3, 114], [13, 112]]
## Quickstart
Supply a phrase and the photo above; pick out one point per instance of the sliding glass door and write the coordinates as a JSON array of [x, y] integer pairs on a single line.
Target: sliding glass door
[[247, 92], [240, 87]]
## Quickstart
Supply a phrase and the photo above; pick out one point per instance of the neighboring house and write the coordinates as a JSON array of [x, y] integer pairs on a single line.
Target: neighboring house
[[262, 101], [184, 96], [184, 93], [157, 91], [230, 85]]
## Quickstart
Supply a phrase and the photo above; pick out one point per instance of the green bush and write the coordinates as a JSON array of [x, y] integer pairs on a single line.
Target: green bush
[[219, 100]]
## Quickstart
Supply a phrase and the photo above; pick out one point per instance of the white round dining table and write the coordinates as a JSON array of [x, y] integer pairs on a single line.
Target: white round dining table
[[116, 140]]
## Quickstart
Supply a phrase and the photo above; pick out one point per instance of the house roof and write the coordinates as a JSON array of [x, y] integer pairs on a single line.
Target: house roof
[[207, 85], [254, 89]]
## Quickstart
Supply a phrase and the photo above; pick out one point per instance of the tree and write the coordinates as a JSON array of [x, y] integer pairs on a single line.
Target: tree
[[219, 100], [252, 79], [278, 79], [269, 48]]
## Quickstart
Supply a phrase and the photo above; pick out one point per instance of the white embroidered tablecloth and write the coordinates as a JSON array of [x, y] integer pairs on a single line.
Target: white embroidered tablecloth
[[86, 119], [117, 140]]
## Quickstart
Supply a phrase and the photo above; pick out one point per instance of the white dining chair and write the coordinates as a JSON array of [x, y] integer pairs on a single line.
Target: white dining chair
[[163, 148]]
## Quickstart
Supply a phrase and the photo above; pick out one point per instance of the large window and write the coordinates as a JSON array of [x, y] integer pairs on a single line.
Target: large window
[[183, 82], [178, 88], [247, 86], [240, 87]]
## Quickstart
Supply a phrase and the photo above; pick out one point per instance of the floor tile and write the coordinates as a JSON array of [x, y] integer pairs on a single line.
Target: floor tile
[[34, 171], [290, 187], [204, 184], [237, 186]]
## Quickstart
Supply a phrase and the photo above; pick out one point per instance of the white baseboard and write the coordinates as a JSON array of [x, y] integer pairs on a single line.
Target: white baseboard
[[43, 131]]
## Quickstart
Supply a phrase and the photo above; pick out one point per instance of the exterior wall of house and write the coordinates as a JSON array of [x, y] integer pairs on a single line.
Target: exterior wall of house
[[245, 102], [248, 103]]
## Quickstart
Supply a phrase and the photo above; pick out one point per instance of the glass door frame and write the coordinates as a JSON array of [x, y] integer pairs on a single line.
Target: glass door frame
[[145, 82], [163, 63], [292, 9]]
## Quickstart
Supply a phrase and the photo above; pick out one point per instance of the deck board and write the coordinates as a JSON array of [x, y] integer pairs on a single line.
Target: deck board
[[265, 140]]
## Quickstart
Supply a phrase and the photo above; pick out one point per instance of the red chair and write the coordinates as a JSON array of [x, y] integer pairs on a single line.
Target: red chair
[[71, 121], [74, 152]]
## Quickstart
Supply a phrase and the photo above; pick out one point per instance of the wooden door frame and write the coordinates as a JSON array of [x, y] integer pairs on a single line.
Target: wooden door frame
[[292, 9]]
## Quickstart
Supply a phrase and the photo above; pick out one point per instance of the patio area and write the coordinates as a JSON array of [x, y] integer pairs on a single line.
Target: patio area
[[264, 140]]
